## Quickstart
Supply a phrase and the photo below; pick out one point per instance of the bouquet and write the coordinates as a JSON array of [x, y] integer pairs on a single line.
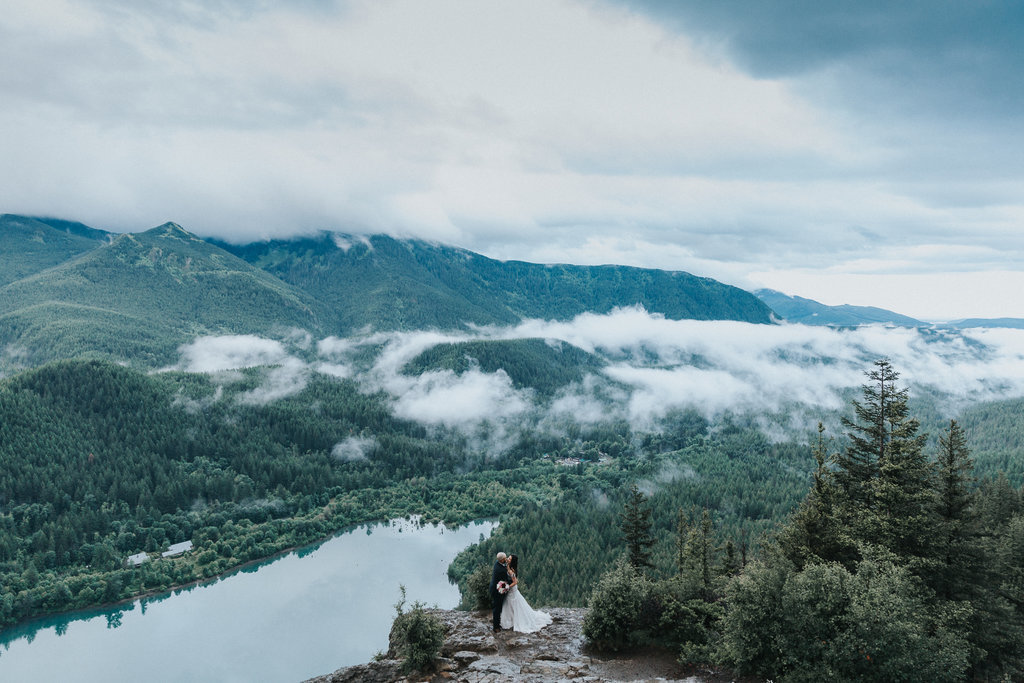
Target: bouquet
[[503, 587]]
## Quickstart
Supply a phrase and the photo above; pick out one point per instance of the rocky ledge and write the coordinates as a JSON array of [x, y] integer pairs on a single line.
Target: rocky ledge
[[472, 653]]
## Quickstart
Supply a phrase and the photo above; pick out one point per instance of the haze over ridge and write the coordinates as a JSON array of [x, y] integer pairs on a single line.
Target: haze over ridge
[[866, 154]]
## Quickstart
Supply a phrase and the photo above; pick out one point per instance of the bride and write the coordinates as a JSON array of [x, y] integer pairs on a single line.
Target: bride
[[516, 613]]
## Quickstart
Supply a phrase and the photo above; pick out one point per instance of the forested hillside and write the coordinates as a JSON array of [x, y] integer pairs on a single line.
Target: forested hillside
[[70, 291], [142, 295], [102, 461], [540, 364], [411, 284], [30, 245], [899, 564]]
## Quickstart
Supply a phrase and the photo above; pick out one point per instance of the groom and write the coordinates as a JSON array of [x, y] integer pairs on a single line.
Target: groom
[[499, 574]]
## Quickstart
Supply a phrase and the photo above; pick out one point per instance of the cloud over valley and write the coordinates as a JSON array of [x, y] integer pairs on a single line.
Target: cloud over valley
[[651, 366]]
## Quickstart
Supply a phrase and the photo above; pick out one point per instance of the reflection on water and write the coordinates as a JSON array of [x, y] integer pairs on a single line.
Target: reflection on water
[[292, 617]]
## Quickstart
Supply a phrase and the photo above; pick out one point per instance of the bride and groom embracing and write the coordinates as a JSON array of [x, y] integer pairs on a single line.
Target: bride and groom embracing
[[511, 611]]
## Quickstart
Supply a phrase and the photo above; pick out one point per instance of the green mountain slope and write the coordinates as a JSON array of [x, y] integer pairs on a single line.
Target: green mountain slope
[[796, 309], [410, 284], [140, 296], [529, 363], [31, 245], [70, 291]]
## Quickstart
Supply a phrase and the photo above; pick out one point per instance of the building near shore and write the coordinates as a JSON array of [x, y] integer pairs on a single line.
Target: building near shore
[[177, 549], [137, 559]]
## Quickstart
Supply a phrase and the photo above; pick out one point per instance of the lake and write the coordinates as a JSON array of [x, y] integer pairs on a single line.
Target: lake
[[295, 616]]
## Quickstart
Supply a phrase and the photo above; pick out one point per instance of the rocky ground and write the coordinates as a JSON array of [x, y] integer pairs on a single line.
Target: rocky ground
[[472, 653]]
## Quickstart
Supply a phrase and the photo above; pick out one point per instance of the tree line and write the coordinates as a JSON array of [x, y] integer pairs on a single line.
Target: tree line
[[896, 565]]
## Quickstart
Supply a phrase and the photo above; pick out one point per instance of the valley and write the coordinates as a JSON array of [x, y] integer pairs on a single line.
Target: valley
[[157, 388]]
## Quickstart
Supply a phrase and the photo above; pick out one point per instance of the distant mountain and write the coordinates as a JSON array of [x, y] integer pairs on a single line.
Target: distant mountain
[[71, 291], [797, 309], [1013, 323], [388, 283], [141, 295], [30, 245]]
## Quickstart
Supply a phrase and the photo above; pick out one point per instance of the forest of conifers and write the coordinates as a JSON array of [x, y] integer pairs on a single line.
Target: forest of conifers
[[102, 462]]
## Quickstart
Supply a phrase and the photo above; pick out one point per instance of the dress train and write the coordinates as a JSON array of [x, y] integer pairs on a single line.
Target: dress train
[[517, 614]]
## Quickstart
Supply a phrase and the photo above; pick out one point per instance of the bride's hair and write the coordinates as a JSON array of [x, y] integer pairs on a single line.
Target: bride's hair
[[513, 562]]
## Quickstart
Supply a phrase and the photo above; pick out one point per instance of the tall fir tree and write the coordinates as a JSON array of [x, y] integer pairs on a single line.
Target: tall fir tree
[[699, 557], [636, 529], [682, 533], [815, 532], [869, 433], [957, 571], [884, 478]]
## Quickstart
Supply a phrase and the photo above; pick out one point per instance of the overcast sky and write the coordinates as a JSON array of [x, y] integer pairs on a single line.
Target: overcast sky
[[866, 153]]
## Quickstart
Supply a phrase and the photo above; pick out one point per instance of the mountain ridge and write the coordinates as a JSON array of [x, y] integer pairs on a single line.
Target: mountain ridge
[[139, 296], [468, 287], [797, 309]]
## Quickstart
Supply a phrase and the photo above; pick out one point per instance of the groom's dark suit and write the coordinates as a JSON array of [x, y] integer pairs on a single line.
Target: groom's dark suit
[[500, 573]]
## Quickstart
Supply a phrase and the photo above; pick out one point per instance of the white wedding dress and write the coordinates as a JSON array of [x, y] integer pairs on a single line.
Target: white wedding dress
[[517, 614]]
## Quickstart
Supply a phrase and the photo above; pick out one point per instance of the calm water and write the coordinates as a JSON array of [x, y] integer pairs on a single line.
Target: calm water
[[297, 616]]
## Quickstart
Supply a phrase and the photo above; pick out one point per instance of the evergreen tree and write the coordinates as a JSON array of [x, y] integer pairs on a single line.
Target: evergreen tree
[[682, 533], [857, 466], [958, 533], [884, 478], [698, 559], [730, 561], [636, 529], [815, 532]]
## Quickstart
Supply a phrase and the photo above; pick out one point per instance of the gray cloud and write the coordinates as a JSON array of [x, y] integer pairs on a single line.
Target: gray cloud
[[725, 138], [920, 44]]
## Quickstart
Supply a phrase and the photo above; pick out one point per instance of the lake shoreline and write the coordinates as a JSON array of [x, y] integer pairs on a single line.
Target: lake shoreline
[[195, 583], [301, 612]]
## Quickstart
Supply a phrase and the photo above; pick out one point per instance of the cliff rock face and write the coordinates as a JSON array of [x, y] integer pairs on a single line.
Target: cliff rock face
[[472, 653]]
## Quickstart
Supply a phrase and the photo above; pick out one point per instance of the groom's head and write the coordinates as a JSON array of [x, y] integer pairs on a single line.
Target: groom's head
[[501, 558]]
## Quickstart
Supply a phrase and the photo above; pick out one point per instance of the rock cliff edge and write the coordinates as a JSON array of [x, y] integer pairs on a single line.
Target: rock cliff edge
[[472, 653]]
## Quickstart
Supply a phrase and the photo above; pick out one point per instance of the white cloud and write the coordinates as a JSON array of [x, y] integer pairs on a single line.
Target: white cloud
[[442, 397], [354, 448], [712, 366], [287, 378], [787, 374], [338, 370], [282, 375], [230, 352]]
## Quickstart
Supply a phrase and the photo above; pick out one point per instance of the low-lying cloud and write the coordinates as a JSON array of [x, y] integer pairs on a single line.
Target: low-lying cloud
[[354, 448], [230, 352], [653, 366], [285, 379]]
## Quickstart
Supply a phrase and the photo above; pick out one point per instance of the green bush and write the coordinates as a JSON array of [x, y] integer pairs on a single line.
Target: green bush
[[478, 588], [671, 618], [828, 623], [615, 608], [416, 636]]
